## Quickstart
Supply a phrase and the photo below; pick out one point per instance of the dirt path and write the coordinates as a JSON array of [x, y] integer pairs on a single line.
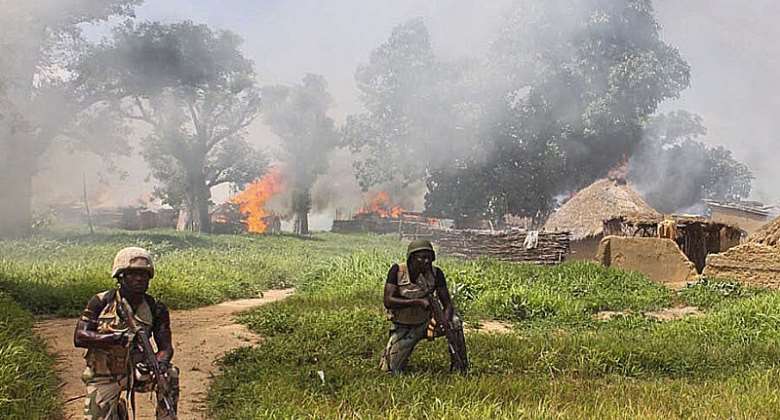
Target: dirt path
[[200, 336]]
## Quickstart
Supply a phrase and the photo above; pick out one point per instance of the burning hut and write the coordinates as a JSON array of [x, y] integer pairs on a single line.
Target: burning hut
[[381, 215], [584, 214], [253, 201], [226, 218], [756, 262]]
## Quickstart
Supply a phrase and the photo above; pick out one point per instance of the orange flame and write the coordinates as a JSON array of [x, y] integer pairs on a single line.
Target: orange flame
[[381, 205], [252, 200]]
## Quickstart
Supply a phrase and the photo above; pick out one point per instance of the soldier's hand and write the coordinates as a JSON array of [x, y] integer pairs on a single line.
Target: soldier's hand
[[164, 366], [122, 338]]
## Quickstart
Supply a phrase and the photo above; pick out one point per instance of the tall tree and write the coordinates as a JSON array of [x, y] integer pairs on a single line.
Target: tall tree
[[196, 92], [593, 70], [41, 40], [412, 121], [572, 82], [675, 170], [298, 115]]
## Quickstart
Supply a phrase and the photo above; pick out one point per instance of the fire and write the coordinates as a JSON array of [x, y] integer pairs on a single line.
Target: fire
[[253, 199], [381, 205]]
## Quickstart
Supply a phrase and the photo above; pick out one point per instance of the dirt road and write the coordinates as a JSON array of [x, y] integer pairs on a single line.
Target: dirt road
[[200, 336]]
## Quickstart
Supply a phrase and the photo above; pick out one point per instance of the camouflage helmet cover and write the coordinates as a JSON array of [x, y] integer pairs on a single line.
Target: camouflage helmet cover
[[419, 245], [132, 257]]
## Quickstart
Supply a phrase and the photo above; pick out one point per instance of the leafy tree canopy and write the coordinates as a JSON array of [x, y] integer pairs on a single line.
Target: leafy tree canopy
[[675, 171], [196, 92]]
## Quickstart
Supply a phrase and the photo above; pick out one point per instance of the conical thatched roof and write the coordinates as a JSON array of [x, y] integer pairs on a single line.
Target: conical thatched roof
[[584, 214], [769, 234]]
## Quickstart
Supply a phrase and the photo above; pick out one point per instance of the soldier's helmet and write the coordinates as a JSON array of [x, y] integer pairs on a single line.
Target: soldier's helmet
[[132, 257], [419, 245]]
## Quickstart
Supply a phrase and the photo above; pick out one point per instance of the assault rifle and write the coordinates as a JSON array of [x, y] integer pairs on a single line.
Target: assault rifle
[[163, 387], [456, 341]]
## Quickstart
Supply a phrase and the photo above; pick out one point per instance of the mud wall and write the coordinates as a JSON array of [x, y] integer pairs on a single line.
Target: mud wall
[[584, 250], [661, 260]]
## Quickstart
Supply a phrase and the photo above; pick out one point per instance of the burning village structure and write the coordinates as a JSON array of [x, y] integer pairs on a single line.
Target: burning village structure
[[381, 215]]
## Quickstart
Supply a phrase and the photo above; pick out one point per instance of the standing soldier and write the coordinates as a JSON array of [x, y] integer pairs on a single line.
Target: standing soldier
[[419, 306], [115, 328]]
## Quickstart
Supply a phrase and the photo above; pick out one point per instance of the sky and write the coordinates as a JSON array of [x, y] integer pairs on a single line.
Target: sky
[[734, 54], [731, 47]]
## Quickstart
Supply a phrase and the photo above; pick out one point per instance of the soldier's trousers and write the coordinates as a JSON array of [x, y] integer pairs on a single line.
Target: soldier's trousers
[[399, 347], [104, 396], [403, 339]]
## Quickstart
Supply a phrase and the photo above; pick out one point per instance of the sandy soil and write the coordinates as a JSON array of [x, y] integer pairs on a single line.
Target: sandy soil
[[491, 326], [666, 314], [200, 336]]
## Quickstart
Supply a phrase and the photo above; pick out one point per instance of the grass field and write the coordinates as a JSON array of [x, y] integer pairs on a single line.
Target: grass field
[[55, 273], [559, 361]]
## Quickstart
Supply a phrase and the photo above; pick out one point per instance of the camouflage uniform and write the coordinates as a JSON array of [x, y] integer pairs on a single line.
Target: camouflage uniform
[[108, 371], [411, 324], [118, 369]]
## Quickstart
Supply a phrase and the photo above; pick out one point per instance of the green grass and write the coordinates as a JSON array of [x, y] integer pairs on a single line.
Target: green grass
[[57, 272], [560, 362], [27, 379]]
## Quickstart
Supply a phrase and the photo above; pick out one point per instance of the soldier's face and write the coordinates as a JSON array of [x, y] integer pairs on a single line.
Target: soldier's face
[[135, 281], [423, 261]]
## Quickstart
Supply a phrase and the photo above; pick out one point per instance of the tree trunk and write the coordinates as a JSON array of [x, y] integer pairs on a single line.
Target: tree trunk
[[16, 172], [16, 204], [184, 222], [199, 198], [302, 223], [301, 206], [202, 217]]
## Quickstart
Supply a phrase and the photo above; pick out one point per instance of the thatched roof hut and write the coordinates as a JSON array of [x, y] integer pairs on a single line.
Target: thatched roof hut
[[584, 214]]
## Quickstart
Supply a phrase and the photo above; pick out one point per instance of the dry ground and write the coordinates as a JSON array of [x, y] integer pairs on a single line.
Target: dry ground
[[200, 336]]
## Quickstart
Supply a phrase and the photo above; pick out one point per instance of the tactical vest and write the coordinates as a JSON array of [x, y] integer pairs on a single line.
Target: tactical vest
[[421, 289], [117, 359]]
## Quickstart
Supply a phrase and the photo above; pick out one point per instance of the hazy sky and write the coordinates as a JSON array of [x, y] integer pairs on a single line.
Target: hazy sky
[[730, 45], [734, 52]]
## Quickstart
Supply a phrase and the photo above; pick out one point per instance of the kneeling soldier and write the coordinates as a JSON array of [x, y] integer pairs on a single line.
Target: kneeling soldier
[[419, 306], [115, 328]]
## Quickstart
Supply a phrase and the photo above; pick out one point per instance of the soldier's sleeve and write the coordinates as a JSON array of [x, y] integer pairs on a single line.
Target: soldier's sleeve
[[162, 322], [92, 310], [441, 281], [392, 275]]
